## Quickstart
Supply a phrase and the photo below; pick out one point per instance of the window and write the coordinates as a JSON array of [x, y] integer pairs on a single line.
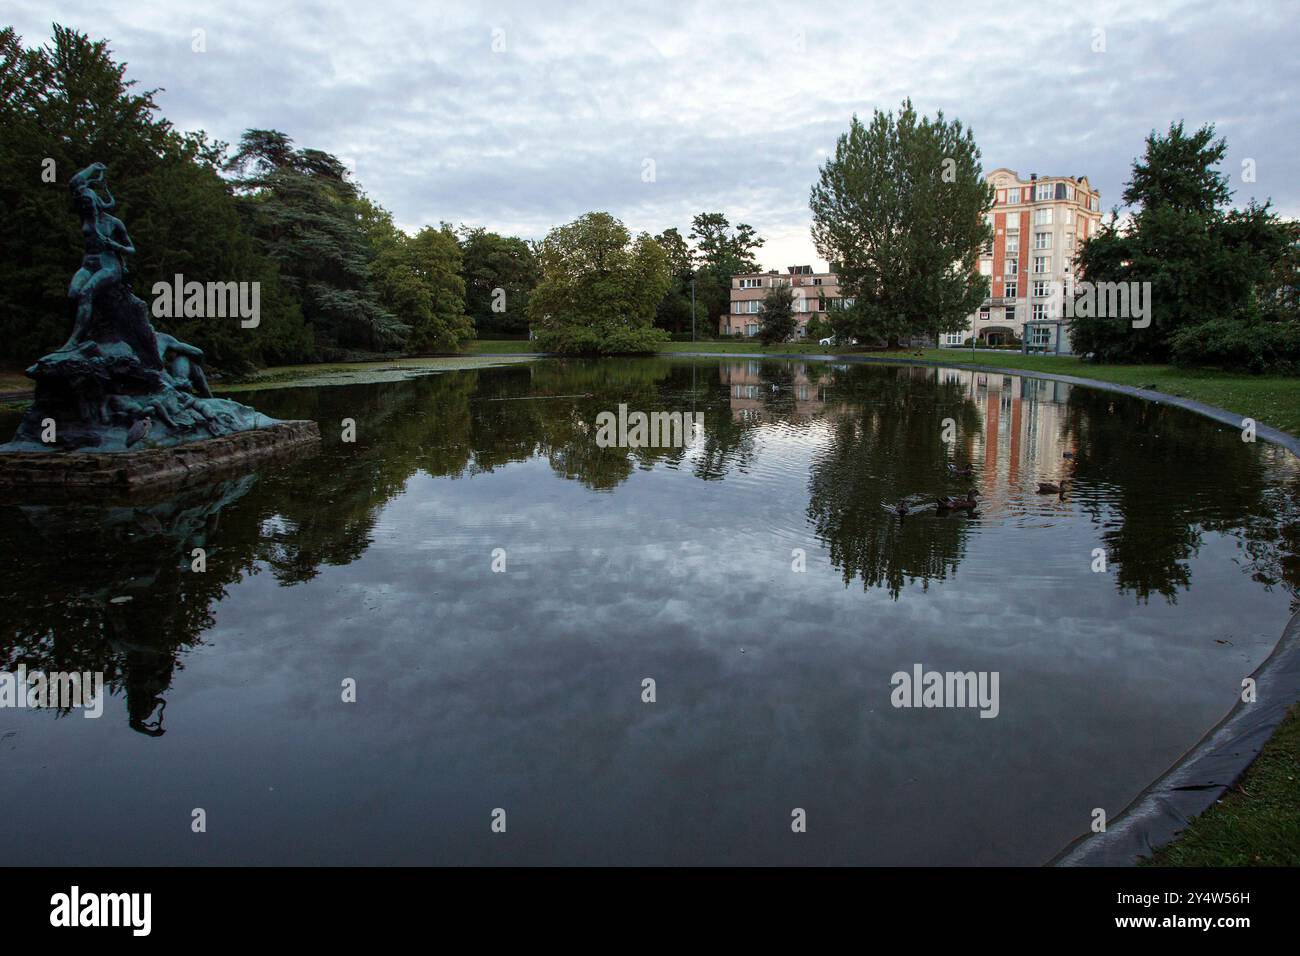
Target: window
[[754, 305], [984, 313], [1011, 313], [1010, 290], [1043, 217], [1042, 288], [1013, 195], [1095, 203], [1042, 264], [1069, 217], [1042, 240], [1069, 240], [1013, 245], [751, 329], [735, 307], [1043, 191], [1041, 312], [1064, 192], [750, 283], [1040, 335], [1013, 267], [986, 267]]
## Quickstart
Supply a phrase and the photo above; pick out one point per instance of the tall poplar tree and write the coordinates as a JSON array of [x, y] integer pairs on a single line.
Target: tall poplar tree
[[900, 209]]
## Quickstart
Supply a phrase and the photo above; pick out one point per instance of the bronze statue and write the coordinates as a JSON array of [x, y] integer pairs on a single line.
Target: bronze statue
[[117, 383], [106, 243]]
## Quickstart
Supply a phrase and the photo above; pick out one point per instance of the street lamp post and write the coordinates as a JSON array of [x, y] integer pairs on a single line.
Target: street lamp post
[[692, 310]]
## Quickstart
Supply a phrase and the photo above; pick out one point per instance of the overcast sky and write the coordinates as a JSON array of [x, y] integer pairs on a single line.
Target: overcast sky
[[521, 116]]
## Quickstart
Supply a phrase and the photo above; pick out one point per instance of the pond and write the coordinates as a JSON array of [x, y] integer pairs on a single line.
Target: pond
[[500, 586]]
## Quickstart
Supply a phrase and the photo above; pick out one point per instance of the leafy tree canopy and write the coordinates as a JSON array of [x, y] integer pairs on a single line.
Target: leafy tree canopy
[[599, 288], [901, 209], [1222, 281], [777, 318], [500, 275], [68, 104]]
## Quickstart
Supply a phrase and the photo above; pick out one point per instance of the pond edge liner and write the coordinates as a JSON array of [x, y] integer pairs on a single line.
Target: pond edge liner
[[1199, 778]]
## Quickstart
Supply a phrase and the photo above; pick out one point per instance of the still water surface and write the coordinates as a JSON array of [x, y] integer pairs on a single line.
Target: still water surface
[[522, 690]]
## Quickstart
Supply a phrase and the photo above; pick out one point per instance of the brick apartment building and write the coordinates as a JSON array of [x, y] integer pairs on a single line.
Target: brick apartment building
[[1038, 224], [814, 294]]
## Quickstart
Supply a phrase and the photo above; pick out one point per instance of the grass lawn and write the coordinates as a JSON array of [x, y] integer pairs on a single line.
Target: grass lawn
[[1257, 823]]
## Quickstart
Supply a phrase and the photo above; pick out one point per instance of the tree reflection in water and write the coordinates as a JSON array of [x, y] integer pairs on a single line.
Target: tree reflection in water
[[107, 586]]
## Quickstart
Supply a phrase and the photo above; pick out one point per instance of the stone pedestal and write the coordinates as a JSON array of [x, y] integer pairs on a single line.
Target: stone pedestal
[[153, 467]]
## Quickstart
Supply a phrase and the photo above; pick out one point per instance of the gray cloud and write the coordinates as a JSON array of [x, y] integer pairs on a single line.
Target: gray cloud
[[736, 105]]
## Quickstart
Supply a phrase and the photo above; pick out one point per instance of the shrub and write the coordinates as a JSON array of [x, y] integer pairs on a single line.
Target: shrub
[[1246, 343]]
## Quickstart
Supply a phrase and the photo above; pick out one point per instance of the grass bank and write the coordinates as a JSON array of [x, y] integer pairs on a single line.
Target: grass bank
[[1257, 823]]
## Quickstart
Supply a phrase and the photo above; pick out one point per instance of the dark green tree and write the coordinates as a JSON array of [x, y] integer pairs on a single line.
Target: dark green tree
[[500, 274], [901, 209], [418, 280], [777, 321], [721, 253], [599, 289], [67, 104], [673, 313], [308, 216], [1222, 280]]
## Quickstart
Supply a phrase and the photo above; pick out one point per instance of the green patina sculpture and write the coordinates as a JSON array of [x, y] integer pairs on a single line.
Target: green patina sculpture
[[117, 383]]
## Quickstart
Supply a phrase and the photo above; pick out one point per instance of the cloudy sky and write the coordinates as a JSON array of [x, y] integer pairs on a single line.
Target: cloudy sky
[[520, 116]]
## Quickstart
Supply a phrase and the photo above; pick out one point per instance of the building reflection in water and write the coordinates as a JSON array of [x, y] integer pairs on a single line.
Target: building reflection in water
[[1024, 427], [107, 586]]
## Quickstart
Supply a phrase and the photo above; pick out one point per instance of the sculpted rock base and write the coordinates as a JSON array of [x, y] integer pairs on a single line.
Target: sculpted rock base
[[115, 381]]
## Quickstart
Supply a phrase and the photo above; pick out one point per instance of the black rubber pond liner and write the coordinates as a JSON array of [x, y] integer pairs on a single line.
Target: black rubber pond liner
[[1203, 774]]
